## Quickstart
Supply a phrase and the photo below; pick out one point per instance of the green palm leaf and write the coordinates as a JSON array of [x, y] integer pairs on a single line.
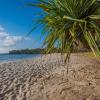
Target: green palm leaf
[[69, 23]]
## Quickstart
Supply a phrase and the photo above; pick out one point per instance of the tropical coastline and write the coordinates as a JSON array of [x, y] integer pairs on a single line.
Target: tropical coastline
[[45, 78], [14, 57], [50, 50]]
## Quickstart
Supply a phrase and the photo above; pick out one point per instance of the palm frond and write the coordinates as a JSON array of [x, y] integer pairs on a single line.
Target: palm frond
[[67, 23]]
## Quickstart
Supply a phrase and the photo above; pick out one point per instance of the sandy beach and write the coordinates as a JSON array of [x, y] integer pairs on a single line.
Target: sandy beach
[[46, 78]]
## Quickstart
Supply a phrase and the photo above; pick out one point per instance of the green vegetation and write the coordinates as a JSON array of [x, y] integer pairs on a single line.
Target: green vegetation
[[33, 51], [40, 51], [28, 51], [70, 24]]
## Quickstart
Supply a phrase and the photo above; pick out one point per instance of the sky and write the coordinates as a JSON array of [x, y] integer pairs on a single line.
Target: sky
[[16, 20]]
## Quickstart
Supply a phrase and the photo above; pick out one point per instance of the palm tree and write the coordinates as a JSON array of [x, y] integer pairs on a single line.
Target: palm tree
[[69, 24]]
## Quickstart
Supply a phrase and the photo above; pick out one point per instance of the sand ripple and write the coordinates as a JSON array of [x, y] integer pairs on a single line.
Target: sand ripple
[[45, 78]]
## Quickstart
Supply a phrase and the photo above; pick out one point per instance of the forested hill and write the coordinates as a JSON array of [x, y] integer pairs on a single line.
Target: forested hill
[[41, 51], [28, 51]]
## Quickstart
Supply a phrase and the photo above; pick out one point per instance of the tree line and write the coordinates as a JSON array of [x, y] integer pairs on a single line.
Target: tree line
[[43, 51], [33, 51]]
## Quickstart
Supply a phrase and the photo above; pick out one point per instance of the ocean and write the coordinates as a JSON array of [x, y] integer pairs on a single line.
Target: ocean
[[13, 57]]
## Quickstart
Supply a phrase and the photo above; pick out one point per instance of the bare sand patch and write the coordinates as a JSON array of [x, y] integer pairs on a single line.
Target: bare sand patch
[[46, 78]]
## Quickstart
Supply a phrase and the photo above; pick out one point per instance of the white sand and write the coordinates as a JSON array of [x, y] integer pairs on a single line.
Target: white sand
[[45, 78]]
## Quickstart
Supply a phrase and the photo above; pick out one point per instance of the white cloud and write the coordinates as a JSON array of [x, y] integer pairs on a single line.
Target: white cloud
[[4, 49], [12, 40], [7, 41], [3, 35]]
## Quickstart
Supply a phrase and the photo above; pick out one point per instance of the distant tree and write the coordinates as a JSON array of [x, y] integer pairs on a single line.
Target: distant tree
[[28, 51]]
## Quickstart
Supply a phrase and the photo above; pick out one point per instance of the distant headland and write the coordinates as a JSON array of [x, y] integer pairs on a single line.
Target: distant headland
[[28, 51], [42, 51]]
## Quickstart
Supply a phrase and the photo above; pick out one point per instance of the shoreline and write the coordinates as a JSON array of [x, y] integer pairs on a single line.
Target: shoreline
[[16, 60]]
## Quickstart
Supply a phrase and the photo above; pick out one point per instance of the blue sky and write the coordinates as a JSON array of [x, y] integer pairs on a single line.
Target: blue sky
[[16, 20]]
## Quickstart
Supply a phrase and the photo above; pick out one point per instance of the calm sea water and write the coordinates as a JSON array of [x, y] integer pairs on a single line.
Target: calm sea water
[[13, 57]]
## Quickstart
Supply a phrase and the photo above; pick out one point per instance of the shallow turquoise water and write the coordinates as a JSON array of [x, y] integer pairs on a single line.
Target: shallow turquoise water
[[13, 57]]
